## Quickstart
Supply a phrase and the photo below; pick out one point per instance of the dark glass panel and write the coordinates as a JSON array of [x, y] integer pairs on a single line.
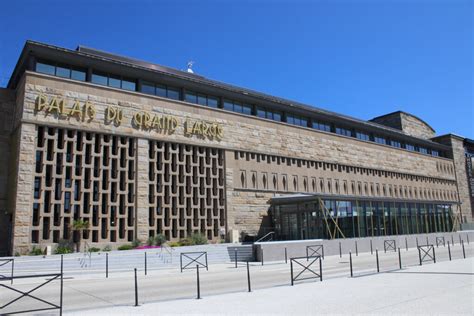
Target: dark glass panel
[[45, 68], [99, 79], [148, 88]]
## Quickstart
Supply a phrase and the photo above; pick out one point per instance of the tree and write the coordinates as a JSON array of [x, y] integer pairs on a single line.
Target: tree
[[79, 226]]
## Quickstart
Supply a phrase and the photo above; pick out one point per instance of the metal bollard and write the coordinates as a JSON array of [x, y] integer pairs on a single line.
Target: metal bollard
[[60, 290], [434, 256], [449, 251], [320, 270], [350, 262], [460, 240], [371, 250], [467, 237], [399, 259], [291, 272], [106, 265], [136, 288], [463, 251], [377, 259], [406, 243], [198, 284], [286, 256], [452, 240], [262, 255], [357, 252], [419, 255], [235, 257], [13, 265], [248, 276], [145, 264], [427, 243], [340, 250], [417, 242]]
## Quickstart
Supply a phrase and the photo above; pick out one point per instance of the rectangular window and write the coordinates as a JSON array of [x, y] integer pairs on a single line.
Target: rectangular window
[[434, 153], [114, 82], [45, 68], [296, 120], [362, 136], [212, 102], [202, 99], [77, 74], [161, 91], [238, 107], [128, 84], [343, 131], [321, 126], [148, 88], [380, 140], [99, 79], [190, 97], [395, 143], [410, 147], [173, 93], [423, 150], [63, 72]]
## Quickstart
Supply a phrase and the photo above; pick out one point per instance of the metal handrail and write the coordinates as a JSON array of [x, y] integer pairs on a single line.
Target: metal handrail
[[270, 234]]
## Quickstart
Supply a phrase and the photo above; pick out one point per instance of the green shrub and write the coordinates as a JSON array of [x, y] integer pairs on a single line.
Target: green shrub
[[17, 254], [64, 246], [198, 239], [125, 247], [107, 248], [94, 249], [36, 251], [174, 244], [159, 239], [186, 242], [150, 241], [136, 243]]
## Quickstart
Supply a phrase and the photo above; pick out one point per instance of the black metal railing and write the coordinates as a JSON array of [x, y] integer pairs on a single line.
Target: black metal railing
[[197, 258], [426, 253], [390, 244], [267, 237], [4, 262], [315, 250], [306, 263]]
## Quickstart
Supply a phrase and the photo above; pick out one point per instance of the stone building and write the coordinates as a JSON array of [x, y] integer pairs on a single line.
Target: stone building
[[137, 149]]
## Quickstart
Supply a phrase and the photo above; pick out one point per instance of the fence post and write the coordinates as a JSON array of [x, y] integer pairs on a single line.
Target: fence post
[[61, 289], [417, 242], [106, 264], [427, 242], [136, 288], [463, 251], [320, 270], [406, 243], [286, 256], [357, 251], [434, 255], [235, 257], [13, 265], [198, 284], [371, 250], [291, 271], [248, 276], [340, 250], [449, 251], [399, 258], [377, 259], [350, 262], [145, 264], [419, 255], [261, 251]]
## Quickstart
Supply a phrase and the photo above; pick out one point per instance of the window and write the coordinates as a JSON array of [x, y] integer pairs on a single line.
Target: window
[[63, 71], [271, 115], [190, 97], [99, 79], [380, 140], [362, 136], [321, 126], [343, 131], [434, 153], [202, 99], [296, 120], [423, 150], [237, 107], [113, 81], [410, 147], [156, 89], [45, 68], [395, 143]]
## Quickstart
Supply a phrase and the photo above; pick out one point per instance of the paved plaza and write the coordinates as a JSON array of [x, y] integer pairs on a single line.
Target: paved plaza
[[432, 288]]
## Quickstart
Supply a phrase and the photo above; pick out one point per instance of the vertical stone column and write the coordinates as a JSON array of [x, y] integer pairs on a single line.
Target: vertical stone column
[[461, 177], [24, 182], [141, 197]]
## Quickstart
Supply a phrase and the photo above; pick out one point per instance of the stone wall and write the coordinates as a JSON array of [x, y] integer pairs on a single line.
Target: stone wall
[[409, 124]]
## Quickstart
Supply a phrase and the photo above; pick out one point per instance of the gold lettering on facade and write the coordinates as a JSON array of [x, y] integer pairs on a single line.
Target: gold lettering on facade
[[113, 114], [145, 120], [203, 129]]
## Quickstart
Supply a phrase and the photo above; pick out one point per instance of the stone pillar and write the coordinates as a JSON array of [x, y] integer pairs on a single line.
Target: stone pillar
[[24, 182], [141, 197]]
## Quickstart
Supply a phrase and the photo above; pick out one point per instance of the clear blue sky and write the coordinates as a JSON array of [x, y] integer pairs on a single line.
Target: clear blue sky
[[360, 58]]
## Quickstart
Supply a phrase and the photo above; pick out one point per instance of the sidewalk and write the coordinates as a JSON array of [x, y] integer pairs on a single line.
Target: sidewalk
[[442, 288]]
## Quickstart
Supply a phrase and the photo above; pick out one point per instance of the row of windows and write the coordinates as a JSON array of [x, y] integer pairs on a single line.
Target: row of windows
[[214, 102]]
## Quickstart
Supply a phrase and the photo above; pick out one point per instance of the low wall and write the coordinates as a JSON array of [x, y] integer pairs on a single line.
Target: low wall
[[275, 251]]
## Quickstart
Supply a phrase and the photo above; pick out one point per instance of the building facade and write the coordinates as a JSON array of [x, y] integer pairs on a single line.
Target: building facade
[[138, 149]]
